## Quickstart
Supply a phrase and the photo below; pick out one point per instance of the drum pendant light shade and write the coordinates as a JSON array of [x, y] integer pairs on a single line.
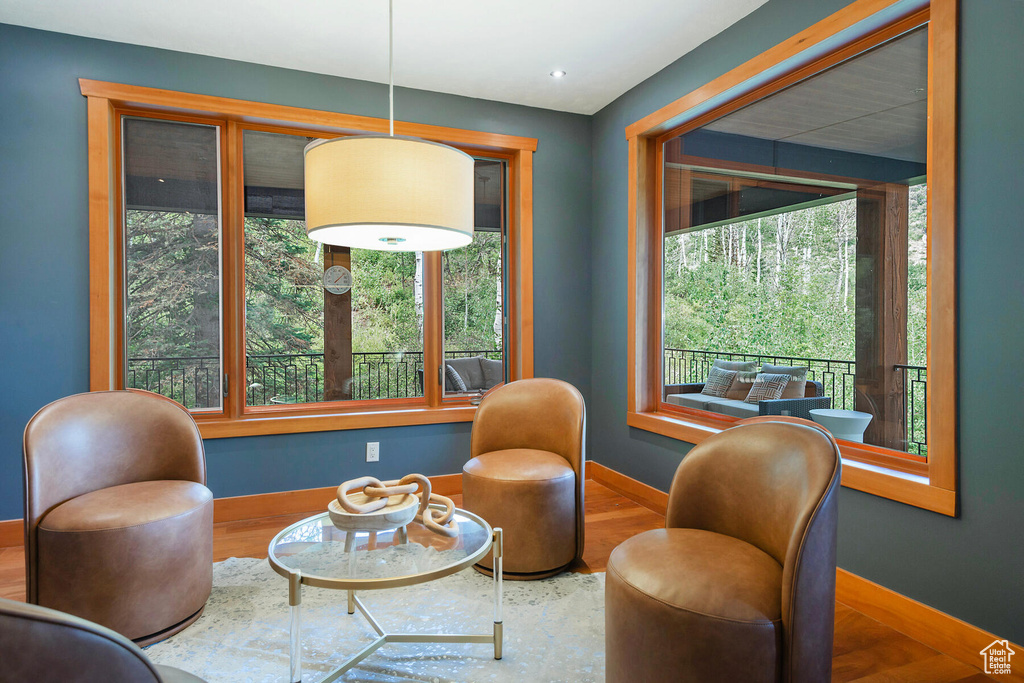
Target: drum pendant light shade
[[388, 193]]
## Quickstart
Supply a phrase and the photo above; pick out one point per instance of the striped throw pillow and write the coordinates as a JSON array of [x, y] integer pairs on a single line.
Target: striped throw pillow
[[455, 378], [767, 387], [718, 382]]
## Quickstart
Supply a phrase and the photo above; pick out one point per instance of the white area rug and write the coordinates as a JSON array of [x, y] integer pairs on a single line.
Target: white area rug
[[554, 630]]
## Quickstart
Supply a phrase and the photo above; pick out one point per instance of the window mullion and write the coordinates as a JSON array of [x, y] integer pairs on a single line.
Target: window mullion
[[433, 328], [233, 271]]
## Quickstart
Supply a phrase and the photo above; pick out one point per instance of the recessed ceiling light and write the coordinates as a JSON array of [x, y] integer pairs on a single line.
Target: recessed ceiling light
[[557, 73]]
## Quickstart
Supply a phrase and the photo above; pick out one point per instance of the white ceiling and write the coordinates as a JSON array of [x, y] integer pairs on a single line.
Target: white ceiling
[[490, 49]]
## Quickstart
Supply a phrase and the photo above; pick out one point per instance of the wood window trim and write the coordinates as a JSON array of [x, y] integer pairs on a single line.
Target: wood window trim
[[936, 490], [106, 102]]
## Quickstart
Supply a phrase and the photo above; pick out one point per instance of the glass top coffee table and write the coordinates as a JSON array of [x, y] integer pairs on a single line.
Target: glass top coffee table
[[313, 552]]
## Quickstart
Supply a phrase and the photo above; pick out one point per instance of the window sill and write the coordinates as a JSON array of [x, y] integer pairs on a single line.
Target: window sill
[[256, 423], [903, 487]]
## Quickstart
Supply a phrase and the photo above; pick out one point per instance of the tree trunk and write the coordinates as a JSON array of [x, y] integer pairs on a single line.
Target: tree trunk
[[779, 250], [846, 263], [743, 251], [206, 301], [417, 291], [758, 252], [499, 328]]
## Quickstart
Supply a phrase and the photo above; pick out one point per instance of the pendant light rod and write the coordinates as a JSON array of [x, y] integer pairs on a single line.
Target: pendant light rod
[[391, 64]]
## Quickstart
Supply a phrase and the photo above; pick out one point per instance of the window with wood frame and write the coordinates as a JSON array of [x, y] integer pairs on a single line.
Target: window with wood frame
[[792, 251], [206, 289]]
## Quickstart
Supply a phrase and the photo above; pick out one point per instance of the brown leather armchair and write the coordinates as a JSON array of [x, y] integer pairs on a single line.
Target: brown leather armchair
[[46, 646], [526, 474], [740, 584], [118, 520]]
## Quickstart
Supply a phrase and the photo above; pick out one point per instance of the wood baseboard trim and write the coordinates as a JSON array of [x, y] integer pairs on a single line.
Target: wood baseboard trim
[[637, 491], [304, 500], [235, 508], [927, 625], [12, 533]]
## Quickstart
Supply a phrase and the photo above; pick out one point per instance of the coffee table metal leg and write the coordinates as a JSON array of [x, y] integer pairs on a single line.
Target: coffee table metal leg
[[354, 603], [498, 552], [295, 626]]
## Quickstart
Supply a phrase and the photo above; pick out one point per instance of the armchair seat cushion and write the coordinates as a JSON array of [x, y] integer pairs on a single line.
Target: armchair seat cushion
[[737, 408], [519, 464], [136, 557], [685, 593], [726, 578], [127, 505], [698, 401], [725, 406]]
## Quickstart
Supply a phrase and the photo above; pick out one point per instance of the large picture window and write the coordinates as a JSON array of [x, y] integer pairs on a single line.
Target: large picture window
[[804, 266], [215, 297], [797, 229]]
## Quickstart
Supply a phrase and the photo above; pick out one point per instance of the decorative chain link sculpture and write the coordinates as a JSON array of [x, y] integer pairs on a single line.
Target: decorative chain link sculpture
[[378, 492]]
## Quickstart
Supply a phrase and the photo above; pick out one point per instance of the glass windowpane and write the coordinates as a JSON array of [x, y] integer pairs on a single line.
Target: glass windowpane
[[172, 225], [474, 293], [305, 343], [795, 236]]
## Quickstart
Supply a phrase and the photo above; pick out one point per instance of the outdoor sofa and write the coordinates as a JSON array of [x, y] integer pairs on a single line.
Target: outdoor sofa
[[476, 374], [807, 398]]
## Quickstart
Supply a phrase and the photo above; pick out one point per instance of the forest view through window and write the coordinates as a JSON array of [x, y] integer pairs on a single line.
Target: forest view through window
[[172, 240], [322, 323], [795, 254]]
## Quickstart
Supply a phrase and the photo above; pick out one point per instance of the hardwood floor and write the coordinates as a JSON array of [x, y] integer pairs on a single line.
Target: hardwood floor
[[865, 650]]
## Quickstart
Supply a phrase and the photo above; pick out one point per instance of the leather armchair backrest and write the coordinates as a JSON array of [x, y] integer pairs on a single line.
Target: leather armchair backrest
[[43, 645], [773, 484], [92, 441], [758, 483], [543, 414]]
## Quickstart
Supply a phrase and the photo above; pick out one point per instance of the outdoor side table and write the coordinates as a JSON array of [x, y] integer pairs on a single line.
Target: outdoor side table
[[844, 424]]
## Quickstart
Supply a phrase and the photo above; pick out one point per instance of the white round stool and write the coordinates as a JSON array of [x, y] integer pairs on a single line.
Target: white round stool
[[844, 424]]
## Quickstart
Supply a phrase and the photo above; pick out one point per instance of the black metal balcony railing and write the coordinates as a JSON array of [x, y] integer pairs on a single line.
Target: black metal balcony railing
[[192, 382], [915, 393], [836, 376], [299, 378], [285, 378]]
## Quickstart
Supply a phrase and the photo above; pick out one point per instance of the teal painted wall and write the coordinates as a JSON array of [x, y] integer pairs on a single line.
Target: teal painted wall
[[970, 567], [44, 275]]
